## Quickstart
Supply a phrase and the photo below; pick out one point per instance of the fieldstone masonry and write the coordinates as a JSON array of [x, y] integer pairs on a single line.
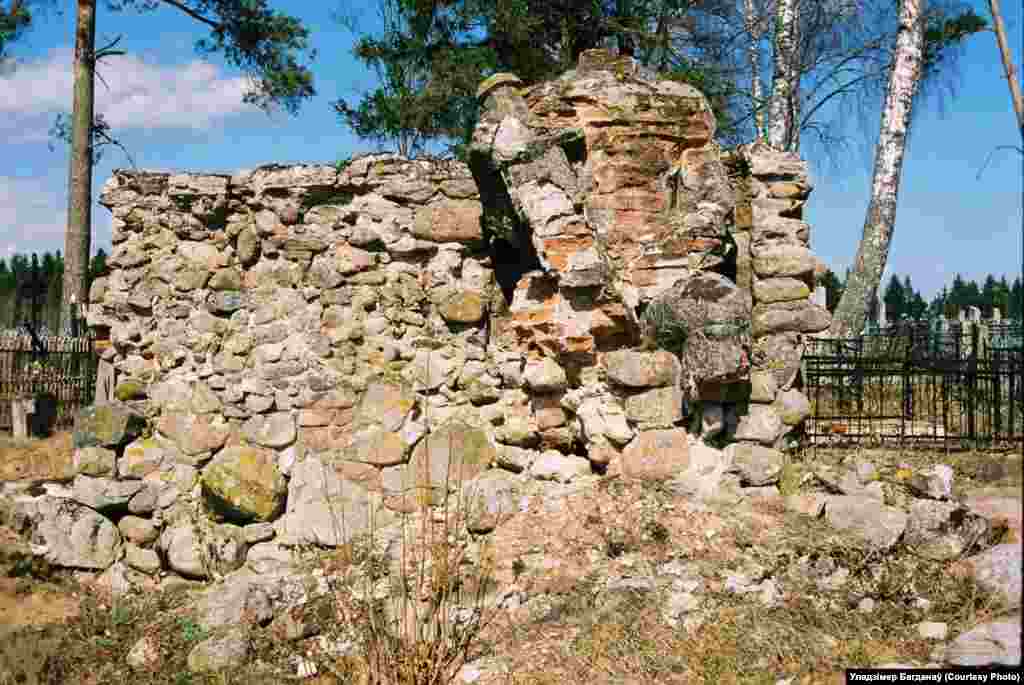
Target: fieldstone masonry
[[601, 290], [305, 353]]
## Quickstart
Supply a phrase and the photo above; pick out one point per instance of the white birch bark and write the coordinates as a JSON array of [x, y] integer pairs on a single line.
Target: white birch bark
[[779, 110], [753, 24], [866, 273]]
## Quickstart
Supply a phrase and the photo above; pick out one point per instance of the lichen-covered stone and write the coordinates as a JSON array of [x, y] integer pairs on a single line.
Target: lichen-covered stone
[[107, 424], [244, 484], [73, 535], [141, 457], [94, 461], [642, 369]]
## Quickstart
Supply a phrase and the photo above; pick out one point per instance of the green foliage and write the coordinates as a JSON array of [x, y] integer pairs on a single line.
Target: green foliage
[[431, 57], [664, 329], [943, 33], [12, 25]]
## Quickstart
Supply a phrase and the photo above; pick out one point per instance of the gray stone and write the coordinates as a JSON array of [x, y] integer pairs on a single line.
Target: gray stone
[[755, 464], [642, 369], [713, 315], [545, 376], [104, 494], [270, 430], [268, 557], [140, 458], [94, 461], [515, 459], [866, 518], [324, 509], [656, 408], [936, 482], [74, 535], [138, 530], [991, 644], [184, 550], [781, 317], [489, 499], [194, 435], [553, 465], [998, 570], [107, 424], [761, 423], [144, 560]]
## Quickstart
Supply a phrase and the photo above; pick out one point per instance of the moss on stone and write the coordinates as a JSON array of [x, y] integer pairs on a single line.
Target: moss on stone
[[130, 389]]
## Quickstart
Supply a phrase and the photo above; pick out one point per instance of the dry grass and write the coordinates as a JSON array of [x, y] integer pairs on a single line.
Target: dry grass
[[573, 630], [36, 459]]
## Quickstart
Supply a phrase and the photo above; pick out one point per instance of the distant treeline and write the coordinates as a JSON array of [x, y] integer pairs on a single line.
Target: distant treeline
[[903, 302], [30, 289]]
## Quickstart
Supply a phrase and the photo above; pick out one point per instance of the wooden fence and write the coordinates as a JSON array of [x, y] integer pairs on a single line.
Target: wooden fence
[[59, 373]]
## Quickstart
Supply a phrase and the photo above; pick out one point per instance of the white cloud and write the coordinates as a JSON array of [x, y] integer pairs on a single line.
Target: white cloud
[[32, 219], [141, 95]]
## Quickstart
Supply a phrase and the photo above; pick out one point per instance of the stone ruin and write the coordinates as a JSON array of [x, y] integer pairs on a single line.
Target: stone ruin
[[600, 290]]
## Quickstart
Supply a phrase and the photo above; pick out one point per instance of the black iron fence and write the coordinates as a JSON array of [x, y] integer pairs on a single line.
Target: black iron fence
[[59, 373], [958, 385]]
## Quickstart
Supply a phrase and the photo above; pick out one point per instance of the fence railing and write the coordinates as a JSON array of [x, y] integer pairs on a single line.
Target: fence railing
[[912, 384], [59, 372]]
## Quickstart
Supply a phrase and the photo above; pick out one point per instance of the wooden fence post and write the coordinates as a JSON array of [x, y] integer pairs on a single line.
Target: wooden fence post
[[21, 408]]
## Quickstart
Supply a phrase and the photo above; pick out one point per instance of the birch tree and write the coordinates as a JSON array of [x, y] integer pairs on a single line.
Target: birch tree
[[780, 110], [904, 79], [752, 21]]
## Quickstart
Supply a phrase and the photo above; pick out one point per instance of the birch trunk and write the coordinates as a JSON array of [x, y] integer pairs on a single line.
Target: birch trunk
[[79, 230], [1008, 66], [753, 22], [866, 274], [780, 123]]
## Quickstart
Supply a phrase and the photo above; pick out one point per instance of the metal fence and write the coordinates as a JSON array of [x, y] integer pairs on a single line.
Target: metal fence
[[959, 385], [58, 372]]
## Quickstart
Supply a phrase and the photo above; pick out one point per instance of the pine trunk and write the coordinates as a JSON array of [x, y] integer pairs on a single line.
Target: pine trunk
[[1008, 66], [866, 274], [780, 111], [79, 231]]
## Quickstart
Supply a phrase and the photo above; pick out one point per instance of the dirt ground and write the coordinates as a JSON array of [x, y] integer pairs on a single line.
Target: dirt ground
[[36, 602]]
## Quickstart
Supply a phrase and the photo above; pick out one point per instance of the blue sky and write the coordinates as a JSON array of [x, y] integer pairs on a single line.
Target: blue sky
[[175, 111]]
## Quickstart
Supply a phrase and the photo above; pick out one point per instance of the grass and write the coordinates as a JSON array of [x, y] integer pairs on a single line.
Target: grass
[[37, 459], [414, 614]]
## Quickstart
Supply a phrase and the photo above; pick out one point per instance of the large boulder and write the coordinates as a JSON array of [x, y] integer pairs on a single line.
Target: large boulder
[[73, 535], [244, 484], [706, 318], [878, 526], [325, 509]]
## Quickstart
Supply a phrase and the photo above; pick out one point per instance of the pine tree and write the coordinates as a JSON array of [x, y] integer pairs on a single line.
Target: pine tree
[[894, 298]]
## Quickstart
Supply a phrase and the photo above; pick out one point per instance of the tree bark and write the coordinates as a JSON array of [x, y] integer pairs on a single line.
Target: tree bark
[[780, 112], [79, 230], [753, 22], [904, 79], [1008, 66]]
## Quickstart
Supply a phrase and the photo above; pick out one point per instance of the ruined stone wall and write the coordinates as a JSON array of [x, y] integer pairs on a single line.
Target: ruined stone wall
[[601, 291]]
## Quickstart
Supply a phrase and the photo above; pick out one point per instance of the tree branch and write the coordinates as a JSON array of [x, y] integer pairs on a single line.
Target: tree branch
[[192, 13]]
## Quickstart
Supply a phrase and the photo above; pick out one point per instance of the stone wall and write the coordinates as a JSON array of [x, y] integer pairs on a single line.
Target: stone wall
[[600, 291]]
